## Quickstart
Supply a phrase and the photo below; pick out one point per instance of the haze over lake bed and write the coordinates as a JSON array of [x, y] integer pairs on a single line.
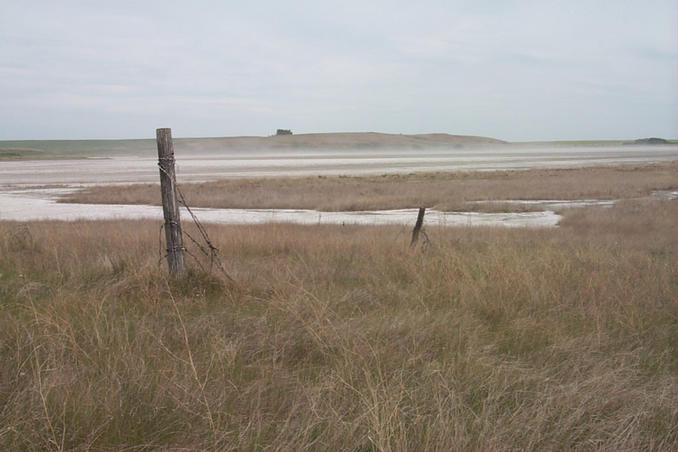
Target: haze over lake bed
[[288, 162]]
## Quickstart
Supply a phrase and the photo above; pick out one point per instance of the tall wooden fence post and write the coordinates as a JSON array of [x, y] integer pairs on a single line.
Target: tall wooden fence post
[[170, 204]]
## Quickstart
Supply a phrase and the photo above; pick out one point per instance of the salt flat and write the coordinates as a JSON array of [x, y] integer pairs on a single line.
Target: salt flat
[[281, 162]]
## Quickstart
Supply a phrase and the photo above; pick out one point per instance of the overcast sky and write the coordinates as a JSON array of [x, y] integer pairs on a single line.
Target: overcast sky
[[516, 70]]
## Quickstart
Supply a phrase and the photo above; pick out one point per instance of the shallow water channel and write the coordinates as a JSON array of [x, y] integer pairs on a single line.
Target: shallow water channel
[[39, 203], [31, 204]]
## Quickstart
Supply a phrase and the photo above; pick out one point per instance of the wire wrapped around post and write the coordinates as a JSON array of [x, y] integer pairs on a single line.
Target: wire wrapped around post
[[170, 205]]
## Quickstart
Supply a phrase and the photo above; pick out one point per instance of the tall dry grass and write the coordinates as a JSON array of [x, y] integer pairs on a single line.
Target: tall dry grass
[[444, 191], [343, 338]]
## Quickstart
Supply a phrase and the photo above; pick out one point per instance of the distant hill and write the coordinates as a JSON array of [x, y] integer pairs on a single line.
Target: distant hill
[[15, 153], [346, 140], [28, 149], [652, 140]]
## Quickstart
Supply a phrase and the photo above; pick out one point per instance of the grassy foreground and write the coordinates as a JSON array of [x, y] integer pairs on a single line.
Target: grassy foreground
[[445, 191], [343, 338]]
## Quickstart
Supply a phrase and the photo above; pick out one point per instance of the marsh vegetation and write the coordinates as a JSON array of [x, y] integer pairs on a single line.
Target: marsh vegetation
[[344, 338], [447, 191]]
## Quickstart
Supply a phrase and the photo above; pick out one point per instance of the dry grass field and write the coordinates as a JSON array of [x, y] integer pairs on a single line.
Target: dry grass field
[[344, 338], [444, 191]]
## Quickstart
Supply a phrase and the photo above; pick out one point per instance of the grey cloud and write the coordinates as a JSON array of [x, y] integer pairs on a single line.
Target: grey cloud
[[516, 70]]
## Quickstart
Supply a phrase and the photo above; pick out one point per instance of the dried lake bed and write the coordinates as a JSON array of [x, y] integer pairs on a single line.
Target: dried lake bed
[[267, 163], [23, 196]]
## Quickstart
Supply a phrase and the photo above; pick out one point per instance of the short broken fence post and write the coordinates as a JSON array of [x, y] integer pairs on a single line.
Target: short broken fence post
[[170, 204], [417, 226]]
